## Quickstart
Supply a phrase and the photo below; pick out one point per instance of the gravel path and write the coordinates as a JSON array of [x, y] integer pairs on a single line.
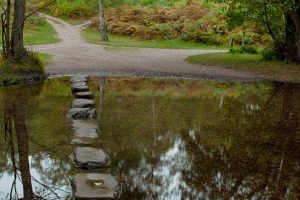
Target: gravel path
[[75, 56]]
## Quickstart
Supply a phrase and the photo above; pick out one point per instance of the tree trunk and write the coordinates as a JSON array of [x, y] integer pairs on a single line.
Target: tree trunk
[[23, 148], [293, 36], [102, 25], [18, 50], [5, 19]]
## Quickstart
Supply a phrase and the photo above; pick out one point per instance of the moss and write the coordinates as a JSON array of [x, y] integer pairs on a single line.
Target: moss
[[29, 69]]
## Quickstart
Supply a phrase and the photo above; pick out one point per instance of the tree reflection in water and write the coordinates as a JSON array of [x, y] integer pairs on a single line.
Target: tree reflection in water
[[252, 153], [228, 141], [17, 102]]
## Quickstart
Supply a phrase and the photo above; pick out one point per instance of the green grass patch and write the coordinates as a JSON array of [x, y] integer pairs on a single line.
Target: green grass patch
[[38, 31], [92, 36], [42, 33], [249, 62], [29, 68]]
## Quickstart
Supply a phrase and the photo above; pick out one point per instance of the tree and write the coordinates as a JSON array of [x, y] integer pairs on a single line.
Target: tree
[[281, 18], [13, 38], [102, 25], [18, 50]]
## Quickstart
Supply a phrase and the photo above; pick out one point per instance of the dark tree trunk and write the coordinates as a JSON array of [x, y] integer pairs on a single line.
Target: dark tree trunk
[[18, 50], [5, 19], [23, 149], [293, 35]]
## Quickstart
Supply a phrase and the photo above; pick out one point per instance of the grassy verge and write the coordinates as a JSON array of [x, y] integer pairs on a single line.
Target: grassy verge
[[92, 36], [253, 63], [28, 69], [40, 34]]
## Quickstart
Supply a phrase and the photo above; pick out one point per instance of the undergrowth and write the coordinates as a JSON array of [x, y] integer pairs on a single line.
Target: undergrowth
[[30, 68]]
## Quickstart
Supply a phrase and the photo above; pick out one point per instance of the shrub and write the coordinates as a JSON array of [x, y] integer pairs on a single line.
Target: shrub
[[248, 49], [269, 54], [244, 49]]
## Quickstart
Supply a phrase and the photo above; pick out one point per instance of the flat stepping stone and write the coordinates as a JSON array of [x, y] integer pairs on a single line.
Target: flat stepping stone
[[84, 95], [80, 89], [79, 84], [85, 128], [81, 141], [81, 113], [83, 103], [77, 79], [90, 158], [95, 186]]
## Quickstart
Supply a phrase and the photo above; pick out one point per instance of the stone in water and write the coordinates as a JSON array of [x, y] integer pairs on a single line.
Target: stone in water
[[95, 186], [83, 103], [81, 113], [80, 89], [84, 95], [77, 79], [90, 158], [79, 84], [85, 128]]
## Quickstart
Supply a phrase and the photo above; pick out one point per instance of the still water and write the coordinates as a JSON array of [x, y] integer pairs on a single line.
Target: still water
[[167, 139]]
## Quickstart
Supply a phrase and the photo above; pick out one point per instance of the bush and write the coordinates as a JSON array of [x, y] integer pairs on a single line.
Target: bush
[[269, 54], [244, 49]]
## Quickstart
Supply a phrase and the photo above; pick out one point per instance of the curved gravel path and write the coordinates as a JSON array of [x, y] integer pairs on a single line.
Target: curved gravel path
[[75, 56]]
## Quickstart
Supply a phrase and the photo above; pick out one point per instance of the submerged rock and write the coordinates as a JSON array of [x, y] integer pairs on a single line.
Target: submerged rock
[[83, 103], [84, 95], [80, 89], [95, 186], [90, 158], [77, 79], [81, 113], [85, 128]]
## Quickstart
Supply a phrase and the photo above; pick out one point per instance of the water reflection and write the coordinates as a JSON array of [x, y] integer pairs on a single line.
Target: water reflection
[[25, 174], [167, 139], [15, 108], [228, 142]]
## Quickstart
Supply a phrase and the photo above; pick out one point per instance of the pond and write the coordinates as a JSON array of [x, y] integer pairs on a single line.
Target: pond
[[167, 139]]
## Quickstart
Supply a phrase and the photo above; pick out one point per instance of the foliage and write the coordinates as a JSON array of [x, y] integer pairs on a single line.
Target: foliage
[[195, 22], [244, 49], [269, 54], [118, 42], [279, 18]]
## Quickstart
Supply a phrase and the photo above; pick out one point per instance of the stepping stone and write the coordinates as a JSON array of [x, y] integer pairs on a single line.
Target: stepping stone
[[78, 141], [80, 89], [81, 141], [84, 95], [86, 128], [90, 158], [95, 186], [83, 103], [79, 84], [81, 113], [77, 79]]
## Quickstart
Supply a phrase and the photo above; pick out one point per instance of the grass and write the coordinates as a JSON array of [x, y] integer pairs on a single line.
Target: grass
[[254, 63], [92, 36], [40, 34], [12, 72]]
